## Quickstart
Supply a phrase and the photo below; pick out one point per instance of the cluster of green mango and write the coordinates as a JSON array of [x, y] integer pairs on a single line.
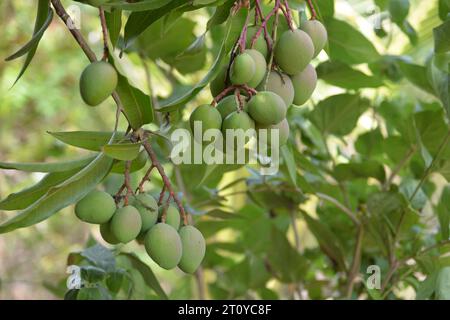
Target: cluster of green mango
[[292, 83], [166, 243]]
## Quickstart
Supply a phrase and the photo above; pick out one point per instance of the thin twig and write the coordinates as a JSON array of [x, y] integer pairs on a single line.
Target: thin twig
[[166, 180], [105, 33], [354, 269], [146, 178], [312, 9], [343, 208], [399, 166]]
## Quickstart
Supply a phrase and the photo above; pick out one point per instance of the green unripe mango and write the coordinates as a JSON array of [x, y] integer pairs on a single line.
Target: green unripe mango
[[294, 51], [147, 208], [96, 207], [163, 245], [218, 84], [228, 105], [234, 121], [97, 82], [281, 84], [260, 67], [209, 117], [304, 84], [194, 247], [107, 235], [242, 69], [283, 132], [267, 108], [126, 224], [260, 43], [172, 216], [318, 34]]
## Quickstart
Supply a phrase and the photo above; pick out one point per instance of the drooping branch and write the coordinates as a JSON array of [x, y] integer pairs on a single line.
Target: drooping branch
[[312, 9], [166, 180]]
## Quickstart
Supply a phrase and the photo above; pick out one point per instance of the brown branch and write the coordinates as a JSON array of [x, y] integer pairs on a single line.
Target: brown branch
[[166, 180], [146, 178], [264, 22], [354, 269], [287, 14], [105, 33], [127, 182], [223, 94], [312, 9]]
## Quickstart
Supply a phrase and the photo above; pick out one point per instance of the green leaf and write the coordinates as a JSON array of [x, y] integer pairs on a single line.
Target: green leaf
[[89, 140], [62, 195], [114, 24], [432, 130], [444, 9], [348, 45], [341, 75], [234, 27], [440, 82], [100, 256], [122, 151], [367, 169], [289, 161], [136, 164], [147, 274], [285, 261], [139, 21], [427, 287], [137, 105], [399, 10], [416, 74], [220, 15], [328, 242], [443, 284], [48, 166], [338, 114], [92, 274], [443, 211], [143, 5], [22, 199], [442, 37], [44, 17]]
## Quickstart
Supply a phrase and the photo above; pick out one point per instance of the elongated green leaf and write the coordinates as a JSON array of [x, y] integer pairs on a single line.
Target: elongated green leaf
[[367, 169], [348, 45], [136, 104], [139, 21], [122, 151], [43, 19], [114, 24], [137, 6], [22, 199], [416, 74], [220, 15], [442, 37], [342, 75], [136, 165], [62, 195], [338, 114], [48, 167], [89, 140], [289, 161], [234, 27], [147, 274], [327, 240]]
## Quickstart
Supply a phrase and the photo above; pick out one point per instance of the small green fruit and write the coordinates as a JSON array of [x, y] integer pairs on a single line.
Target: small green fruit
[[260, 67], [194, 248], [267, 108], [107, 235], [163, 245], [294, 51], [209, 117], [126, 224], [228, 105], [281, 84], [318, 34], [172, 216], [218, 84], [96, 207], [260, 43], [304, 84], [97, 82], [148, 209], [283, 132], [243, 69], [235, 121]]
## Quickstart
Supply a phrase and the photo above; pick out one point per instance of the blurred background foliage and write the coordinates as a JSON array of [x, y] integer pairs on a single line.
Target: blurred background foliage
[[380, 53]]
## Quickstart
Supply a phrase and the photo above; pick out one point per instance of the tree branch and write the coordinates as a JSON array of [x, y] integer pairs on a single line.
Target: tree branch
[[343, 208]]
